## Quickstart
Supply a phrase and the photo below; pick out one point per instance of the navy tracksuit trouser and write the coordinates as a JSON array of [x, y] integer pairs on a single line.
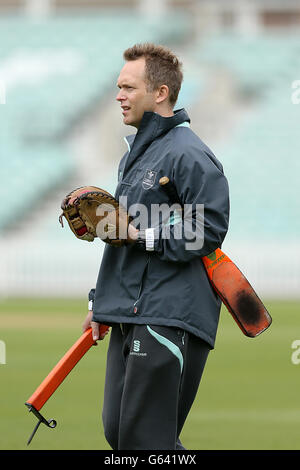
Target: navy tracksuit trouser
[[152, 377]]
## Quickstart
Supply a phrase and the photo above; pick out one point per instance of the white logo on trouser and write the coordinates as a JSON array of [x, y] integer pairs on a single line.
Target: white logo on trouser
[[137, 348]]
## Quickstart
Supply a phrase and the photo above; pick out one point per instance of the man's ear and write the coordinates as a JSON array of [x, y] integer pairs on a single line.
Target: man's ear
[[162, 94]]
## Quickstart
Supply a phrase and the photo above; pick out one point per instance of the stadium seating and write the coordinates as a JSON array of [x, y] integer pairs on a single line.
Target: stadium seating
[[55, 71], [261, 158]]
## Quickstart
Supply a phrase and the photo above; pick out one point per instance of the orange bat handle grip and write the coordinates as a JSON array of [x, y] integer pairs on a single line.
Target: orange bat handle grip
[[63, 368], [211, 263]]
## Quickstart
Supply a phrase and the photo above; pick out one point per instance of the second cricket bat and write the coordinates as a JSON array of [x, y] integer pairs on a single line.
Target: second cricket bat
[[231, 285]]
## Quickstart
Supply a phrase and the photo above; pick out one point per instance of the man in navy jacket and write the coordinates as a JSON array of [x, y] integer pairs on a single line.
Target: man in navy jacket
[[154, 291]]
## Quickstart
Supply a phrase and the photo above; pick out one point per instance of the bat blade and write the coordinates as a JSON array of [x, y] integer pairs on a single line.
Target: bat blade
[[237, 294], [230, 284], [62, 369]]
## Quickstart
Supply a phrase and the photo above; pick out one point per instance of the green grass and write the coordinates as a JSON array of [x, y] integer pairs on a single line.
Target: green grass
[[248, 397]]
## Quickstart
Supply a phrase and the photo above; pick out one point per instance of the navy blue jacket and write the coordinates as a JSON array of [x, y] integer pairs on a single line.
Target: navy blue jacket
[[167, 286]]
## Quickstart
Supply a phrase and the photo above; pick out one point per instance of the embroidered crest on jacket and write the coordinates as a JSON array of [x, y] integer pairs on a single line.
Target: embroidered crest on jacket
[[149, 179]]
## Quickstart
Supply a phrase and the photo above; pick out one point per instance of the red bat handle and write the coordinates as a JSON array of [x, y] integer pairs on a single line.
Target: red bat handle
[[57, 375], [63, 368]]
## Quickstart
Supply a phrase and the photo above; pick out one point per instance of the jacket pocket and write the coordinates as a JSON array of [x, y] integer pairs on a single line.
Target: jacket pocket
[[141, 287]]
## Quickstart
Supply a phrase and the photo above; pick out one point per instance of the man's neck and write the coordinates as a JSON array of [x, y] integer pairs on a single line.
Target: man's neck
[[163, 113]]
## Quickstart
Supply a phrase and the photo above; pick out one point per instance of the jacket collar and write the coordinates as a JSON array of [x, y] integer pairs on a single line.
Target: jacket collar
[[152, 126]]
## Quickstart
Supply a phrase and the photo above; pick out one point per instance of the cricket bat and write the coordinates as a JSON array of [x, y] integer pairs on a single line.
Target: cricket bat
[[57, 375], [231, 285]]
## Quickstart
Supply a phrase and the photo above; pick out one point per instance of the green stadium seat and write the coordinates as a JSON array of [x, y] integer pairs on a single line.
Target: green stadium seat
[[262, 159], [64, 64]]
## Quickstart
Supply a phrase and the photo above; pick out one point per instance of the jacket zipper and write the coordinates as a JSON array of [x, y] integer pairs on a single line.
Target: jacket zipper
[[135, 308]]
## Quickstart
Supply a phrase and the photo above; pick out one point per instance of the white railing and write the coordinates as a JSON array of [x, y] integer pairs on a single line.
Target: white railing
[[60, 270], [65, 269]]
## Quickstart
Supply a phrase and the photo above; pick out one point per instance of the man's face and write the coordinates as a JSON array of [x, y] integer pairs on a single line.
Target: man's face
[[133, 95]]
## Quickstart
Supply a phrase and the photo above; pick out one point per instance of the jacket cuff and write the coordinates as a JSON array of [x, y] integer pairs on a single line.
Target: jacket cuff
[[146, 239], [91, 299]]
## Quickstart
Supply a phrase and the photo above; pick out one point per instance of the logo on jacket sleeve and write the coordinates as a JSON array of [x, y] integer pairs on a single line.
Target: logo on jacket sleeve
[[149, 179]]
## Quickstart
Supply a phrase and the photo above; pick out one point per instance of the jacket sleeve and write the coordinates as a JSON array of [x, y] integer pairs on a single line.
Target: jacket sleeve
[[203, 192]]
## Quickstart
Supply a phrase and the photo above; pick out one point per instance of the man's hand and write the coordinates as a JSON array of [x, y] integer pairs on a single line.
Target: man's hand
[[88, 323], [132, 233]]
